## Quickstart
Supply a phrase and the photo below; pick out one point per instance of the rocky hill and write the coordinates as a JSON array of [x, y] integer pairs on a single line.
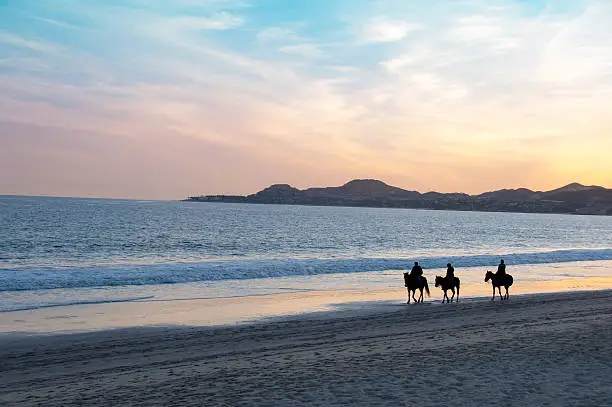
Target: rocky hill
[[573, 198]]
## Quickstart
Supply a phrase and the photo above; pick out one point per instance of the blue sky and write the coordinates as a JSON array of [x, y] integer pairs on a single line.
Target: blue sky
[[160, 99]]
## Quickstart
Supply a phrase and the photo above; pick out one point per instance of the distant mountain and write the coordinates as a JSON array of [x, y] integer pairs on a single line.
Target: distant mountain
[[279, 193], [509, 195], [574, 187], [573, 198], [577, 192], [363, 189]]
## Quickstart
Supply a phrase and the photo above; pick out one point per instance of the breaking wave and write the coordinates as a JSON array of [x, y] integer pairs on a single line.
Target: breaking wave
[[185, 272]]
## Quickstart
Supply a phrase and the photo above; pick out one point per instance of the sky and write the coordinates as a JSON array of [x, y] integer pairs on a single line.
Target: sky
[[155, 99]]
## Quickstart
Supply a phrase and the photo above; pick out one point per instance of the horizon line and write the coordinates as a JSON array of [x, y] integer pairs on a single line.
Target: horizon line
[[34, 195]]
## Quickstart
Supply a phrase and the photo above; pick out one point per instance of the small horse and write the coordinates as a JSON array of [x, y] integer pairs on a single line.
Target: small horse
[[506, 282], [412, 283], [446, 285]]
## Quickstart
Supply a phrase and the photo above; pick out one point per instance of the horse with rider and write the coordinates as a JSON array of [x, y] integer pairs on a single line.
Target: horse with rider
[[449, 282], [500, 279], [414, 280]]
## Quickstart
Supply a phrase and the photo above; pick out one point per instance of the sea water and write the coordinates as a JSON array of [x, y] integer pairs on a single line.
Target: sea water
[[62, 251]]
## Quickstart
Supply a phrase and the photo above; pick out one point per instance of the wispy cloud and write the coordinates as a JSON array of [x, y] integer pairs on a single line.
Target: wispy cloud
[[476, 27], [56, 23], [277, 34], [219, 21], [31, 44], [304, 50], [387, 30]]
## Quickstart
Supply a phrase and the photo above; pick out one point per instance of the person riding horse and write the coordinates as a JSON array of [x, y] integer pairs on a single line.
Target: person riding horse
[[450, 273], [415, 281], [501, 270], [417, 271], [448, 282], [500, 279]]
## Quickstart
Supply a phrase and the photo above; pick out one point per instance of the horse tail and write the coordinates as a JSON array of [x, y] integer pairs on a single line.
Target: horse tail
[[426, 288], [509, 280], [458, 284]]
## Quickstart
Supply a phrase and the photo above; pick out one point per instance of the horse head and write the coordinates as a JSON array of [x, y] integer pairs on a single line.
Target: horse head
[[439, 280], [488, 276]]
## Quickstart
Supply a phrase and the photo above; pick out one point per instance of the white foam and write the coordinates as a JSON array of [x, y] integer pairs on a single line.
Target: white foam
[[184, 272]]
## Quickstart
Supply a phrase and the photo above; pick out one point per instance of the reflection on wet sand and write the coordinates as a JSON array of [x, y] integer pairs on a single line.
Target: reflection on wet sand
[[221, 311]]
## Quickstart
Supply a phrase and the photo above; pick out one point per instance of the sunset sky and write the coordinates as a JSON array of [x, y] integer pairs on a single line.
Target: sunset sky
[[163, 99]]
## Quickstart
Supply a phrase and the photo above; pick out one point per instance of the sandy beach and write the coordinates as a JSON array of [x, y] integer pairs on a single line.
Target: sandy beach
[[543, 349]]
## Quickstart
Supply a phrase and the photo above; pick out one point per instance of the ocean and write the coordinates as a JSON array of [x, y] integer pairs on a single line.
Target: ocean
[[63, 251]]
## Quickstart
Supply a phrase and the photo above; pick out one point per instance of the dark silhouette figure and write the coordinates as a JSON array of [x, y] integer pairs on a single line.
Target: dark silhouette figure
[[450, 273], [413, 283], [417, 271], [501, 269], [504, 280], [448, 284]]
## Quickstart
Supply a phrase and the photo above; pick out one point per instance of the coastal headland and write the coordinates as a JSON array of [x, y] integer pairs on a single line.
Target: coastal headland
[[573, 198]]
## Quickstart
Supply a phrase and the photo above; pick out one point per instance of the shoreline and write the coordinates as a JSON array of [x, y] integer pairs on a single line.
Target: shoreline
[[337, 311], [534, 349], [188, 306], [355, 308], [194, 199]]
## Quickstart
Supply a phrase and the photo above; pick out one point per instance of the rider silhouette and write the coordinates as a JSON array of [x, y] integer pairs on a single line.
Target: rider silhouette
[[417, 271], [450, 273], [501, 269]]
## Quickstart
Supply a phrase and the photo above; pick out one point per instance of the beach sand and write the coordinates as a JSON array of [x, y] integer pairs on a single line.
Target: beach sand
[[543, 349], [186, 310]]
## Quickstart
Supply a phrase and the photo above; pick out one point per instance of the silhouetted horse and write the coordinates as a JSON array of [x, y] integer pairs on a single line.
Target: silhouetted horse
[[506, 282], [446, 285], [413, 283]]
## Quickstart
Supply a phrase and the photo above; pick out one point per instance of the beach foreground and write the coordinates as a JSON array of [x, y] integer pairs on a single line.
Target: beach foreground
[[545, 349]]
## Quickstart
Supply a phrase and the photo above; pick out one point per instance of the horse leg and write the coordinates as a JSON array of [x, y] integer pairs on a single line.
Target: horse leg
[[507, 293], [408, 302], [421, 296], [445, 297], [499, 291], [414, 292], [493, 299], [453, 290]]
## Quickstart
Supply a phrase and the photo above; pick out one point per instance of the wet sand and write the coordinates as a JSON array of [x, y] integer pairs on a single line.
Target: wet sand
[[187, 309], [544, 349]]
